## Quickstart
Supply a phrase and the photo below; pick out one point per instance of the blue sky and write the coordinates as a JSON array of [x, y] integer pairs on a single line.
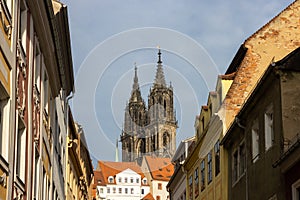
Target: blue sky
[[198, 41]]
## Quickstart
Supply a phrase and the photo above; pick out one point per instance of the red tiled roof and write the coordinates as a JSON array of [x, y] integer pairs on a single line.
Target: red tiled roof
[[272, 42], [112, 168], [148, 197], [160, 168], [98, 178]]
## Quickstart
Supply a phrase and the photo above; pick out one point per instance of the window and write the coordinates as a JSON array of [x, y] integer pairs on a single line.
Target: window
[[126, 190], [202, 165], [120, 190], [114, 190], [23, 25], [36, 174], [157, 197], [46, 92], [196, 183], [137, 180], [191, 187], [242, 159], [209, 166], [37, 67], [131, 180], [120, 179], [108, 190], [144, 181], [9, 5], [125, 180], [142, 191], [110, 179], [269, 133], [235, 167], [217, 158], [238, 162], [4, 125], [296, 190], [255, 142], [21, 138], [159, 186], [101, 190], [131, 190]]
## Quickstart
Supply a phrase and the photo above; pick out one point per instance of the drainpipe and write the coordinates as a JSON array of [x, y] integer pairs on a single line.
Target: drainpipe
[[67, 139]]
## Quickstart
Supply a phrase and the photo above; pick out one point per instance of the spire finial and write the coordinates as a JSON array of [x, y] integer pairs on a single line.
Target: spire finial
[[159, 55], [135, 79], [159, 77]]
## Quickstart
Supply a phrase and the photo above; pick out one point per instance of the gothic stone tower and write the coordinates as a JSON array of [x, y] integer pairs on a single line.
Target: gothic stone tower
[[150, 130]]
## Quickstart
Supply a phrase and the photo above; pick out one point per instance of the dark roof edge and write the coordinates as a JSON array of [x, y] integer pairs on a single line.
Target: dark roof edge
[[237, 59]]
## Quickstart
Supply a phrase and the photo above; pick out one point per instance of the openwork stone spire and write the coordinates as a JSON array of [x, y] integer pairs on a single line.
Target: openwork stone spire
[[135, 79], [135, 93], [159, 77]]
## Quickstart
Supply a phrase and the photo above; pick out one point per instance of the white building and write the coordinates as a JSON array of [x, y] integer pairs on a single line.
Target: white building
[[158, 171], [120, 181]]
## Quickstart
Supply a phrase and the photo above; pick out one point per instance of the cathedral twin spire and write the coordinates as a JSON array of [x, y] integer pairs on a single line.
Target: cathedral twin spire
[[159, 77], [149, 130]]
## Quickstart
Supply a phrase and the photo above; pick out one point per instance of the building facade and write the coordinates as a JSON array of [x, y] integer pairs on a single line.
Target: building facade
[[205, 180], [120, 181], [150, 130], [264, 141], [36, 81], [177, 184], [158, 172]]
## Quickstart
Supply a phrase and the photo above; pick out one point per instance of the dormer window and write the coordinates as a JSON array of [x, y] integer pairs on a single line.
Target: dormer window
[[145, 181], [110, 179]]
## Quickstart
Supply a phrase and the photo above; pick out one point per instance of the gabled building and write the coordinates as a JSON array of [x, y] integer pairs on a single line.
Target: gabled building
[[35, 79], [158, 172], [120, 180], [263, 144], [269, 44], [206, 166], [177, 184]]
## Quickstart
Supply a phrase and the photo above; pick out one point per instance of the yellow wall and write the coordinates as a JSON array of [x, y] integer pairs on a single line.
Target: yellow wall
[[3, 189]]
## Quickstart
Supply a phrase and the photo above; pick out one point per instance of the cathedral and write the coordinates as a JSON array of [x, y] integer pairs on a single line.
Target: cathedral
[[149, 129]]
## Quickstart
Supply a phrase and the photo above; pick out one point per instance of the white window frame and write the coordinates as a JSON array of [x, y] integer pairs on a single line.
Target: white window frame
[[23, 25], [21, 150], [4, 127], [269, 127], [255, 141], [239, 174], [295, 190]]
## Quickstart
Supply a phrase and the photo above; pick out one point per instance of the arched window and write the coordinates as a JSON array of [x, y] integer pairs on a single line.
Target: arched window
[[165, 108], [141, 147], [145, 181], [110, 179], [166, 139]]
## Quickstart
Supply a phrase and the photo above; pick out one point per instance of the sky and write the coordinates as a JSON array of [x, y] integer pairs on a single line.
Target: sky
[[198, 40]]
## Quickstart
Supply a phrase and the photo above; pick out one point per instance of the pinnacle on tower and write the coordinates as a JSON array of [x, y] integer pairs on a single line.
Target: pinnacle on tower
[[159, 77], [135, 79], [135, 93]]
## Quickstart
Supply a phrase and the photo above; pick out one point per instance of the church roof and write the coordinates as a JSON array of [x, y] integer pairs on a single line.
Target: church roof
[[160, 168]]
